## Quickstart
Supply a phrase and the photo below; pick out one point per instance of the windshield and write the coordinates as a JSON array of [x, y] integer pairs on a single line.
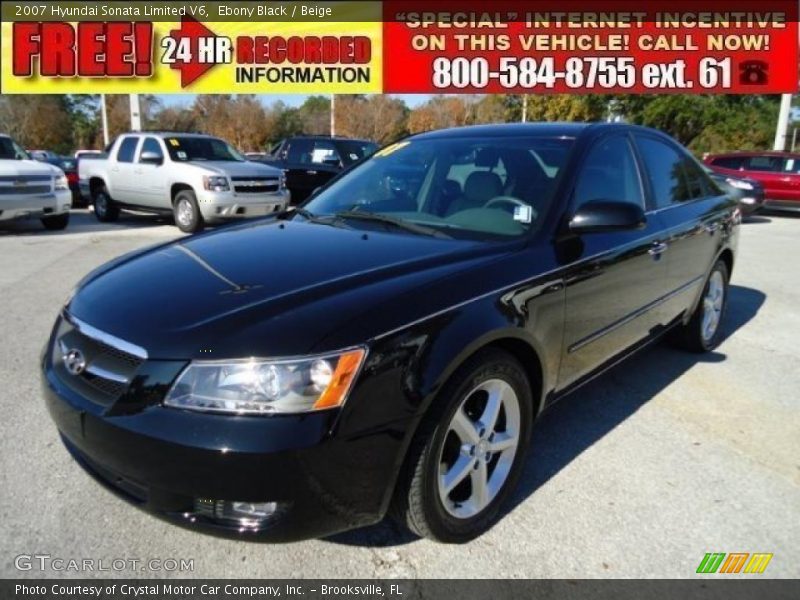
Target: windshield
[[182, 149], [496, 188], [354, 150], [10, 150]]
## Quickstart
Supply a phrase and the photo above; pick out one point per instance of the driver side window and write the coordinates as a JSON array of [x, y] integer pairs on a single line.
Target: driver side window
[[609, 172]]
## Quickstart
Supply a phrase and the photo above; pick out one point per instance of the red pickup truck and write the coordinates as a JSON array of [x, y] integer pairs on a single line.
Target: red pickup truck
[[778, 172]]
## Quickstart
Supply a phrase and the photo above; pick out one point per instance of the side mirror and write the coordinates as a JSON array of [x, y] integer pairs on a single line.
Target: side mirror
[[151, 158], [600, 216]]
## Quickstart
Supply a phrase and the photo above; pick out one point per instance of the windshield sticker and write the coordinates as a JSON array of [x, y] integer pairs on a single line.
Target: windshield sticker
[[523, 214], [353, 156], [790, 164], [390, 149], [174, 142], [182, 155]]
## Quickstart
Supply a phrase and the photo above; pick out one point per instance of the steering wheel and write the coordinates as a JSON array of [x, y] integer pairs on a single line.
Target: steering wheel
[[505, 200]]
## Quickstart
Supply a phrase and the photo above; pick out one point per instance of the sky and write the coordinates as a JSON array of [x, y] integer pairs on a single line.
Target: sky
[[412, 100]]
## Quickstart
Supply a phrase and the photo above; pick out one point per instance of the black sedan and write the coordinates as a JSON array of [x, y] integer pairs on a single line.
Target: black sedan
[[390, 344], [749, 193]]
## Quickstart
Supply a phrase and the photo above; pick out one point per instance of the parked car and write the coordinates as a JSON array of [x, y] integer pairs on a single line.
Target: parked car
[[31, 189], [749, 193], [197, 178], [42, 155], [777, 172], [311, 161], [70, 167], [390, 343]]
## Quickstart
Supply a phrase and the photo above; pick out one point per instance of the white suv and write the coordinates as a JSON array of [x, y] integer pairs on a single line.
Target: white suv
[[197, 178], [31, 189]]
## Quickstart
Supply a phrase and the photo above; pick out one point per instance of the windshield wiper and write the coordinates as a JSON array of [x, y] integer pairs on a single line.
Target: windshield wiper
[[332, 220], [394, 222]]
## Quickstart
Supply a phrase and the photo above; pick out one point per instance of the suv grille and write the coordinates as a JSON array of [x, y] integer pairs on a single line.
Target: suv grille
[[25, 185], [255, 185], [90, 367]]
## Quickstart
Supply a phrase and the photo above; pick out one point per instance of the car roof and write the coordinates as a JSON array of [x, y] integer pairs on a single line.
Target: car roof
[[549, 129], [335, 138], [746, 153], [165, 134]]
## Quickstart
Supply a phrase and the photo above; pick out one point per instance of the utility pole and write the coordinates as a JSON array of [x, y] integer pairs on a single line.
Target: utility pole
[[781, 132], [136, 116], [104, 117], [333, 115], [524, 108]]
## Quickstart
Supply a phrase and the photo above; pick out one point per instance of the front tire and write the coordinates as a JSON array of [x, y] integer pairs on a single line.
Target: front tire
[[56, 222], [105, 210], [187, 213], [703, 332], [468, 453]]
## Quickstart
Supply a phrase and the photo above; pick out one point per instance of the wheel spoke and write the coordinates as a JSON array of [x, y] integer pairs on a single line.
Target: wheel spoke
[[488, 418], [503, 441], [480, 485], [456, 474], [464, 427]]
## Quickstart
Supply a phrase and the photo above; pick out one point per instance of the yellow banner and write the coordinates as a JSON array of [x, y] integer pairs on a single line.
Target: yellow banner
[[192, 57]]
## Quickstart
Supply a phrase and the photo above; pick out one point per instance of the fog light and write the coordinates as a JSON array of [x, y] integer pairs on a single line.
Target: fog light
[[237, 513]]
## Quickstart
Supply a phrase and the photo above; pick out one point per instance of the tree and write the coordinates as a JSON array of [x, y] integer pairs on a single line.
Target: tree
[[379, 117], [315, 115], [441, 112], [38, 121]]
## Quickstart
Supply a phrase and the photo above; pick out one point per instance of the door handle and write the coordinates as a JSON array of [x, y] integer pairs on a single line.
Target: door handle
[[311, 172], [657, 249]]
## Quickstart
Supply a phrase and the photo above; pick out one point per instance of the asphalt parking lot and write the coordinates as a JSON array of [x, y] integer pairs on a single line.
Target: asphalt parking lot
[[638, 474]]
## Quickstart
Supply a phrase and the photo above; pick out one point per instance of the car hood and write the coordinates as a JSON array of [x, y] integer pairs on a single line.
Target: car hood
[[17, 168], [236, 169], [270, 288]]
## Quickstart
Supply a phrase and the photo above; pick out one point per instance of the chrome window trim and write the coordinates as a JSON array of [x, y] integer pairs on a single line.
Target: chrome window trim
[[106, 338]]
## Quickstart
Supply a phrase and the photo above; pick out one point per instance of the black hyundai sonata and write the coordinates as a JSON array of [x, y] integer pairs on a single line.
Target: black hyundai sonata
[[388, 346]]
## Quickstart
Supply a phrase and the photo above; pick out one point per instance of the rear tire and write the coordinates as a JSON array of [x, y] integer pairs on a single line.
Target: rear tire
[[703, 332], [463, 464], [56, 222], [105, 209], [187, 213]]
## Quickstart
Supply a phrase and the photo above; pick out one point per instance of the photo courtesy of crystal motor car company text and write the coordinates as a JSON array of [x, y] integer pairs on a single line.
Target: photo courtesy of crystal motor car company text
[[323, 273]]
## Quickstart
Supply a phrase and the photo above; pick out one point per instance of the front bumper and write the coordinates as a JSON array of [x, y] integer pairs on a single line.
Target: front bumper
[[232, 205], [54, 203], [323, 477], [781, 205]]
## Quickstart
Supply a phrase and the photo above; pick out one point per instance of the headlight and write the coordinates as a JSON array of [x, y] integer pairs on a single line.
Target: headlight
[[267, 386], [216, 183], [739, 184], [60, 182]]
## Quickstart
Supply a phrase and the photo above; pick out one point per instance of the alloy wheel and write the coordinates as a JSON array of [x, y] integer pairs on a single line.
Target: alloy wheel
[[479, 448], [713, 302]]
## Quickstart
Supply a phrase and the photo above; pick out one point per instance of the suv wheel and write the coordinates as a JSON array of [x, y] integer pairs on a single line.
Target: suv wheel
[[105, 210], [56, 222], [186, 212], [703, 332], [467, 456]]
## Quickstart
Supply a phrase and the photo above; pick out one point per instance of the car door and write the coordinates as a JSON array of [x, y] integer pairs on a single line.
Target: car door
[[614, 280], [124, 184], [152, 176], [691, 208], [768, 170], [791, 175]]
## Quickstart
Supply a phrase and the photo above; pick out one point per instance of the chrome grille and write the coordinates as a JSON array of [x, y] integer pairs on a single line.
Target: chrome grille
[[107, 372], [25, 184], [255, 185]]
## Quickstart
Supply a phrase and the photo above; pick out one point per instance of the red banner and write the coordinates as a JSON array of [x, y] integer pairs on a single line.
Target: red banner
[[591, 46]]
